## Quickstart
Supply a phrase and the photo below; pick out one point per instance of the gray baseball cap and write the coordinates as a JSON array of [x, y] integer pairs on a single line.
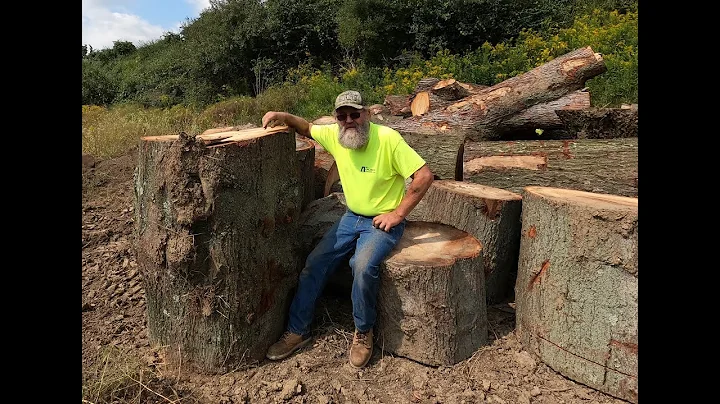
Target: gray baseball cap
[[349, 98]]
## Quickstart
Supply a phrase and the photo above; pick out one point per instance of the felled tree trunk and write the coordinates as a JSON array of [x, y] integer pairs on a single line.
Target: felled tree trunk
[[479, 115], [593, 165], [215, 218], [443, 156], [544, 115], [443, 93], [431, 305], [601, 123], [491, 215], [577, 286]]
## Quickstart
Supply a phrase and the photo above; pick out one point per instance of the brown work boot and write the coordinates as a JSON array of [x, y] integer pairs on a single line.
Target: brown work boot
[[287, 344], [361, 349]]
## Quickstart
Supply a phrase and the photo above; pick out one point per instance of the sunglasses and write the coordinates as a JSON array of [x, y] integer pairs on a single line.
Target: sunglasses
[[343, 117]]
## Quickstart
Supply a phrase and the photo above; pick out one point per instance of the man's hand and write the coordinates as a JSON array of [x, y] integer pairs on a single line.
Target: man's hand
[[387, 221], [301, 126], [272, 117]]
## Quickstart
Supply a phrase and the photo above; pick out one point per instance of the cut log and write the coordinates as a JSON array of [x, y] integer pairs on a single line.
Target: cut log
[[577, 286], [214, 224], [523, 123], [431, 305], [601, 123], [544, 115], [491, 215], [451, 89], [227, 129], [442, 151], [607, 166], [478, 116], [305, 158], [443, 93], [420, 104], [398, 105]]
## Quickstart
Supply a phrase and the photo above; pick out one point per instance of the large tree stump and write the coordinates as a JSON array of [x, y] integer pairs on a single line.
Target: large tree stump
[[608, 166], [577, 286], [431, 304], [215, 218], [492, 215]]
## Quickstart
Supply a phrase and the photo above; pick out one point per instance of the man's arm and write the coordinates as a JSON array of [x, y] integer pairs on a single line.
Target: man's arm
[[301, 126], [421, 181]]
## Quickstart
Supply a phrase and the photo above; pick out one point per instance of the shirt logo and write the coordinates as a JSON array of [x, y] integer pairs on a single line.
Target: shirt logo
[[364, 169]]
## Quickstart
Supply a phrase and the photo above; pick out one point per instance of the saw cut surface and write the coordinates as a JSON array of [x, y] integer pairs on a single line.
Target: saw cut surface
[[425, 243]]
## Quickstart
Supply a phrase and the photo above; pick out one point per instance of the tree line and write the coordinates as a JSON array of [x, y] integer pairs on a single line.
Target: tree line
[[243, 47]]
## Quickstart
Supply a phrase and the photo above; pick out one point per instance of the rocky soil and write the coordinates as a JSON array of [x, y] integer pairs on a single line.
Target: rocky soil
[[120, 365]]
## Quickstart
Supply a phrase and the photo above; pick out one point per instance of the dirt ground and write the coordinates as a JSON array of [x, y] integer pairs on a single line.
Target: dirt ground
[[114, 339]]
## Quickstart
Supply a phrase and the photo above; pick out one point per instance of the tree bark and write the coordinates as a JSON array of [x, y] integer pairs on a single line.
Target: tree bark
[[305, 158], [593, 165], [577, 286], [491, 215], [601, 123], [442, 151], [479, 115], [544, 115], [431, 304], [215, 219]]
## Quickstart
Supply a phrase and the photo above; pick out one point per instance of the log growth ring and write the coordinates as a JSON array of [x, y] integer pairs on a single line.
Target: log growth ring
[[582, 198], [477, 190], [433, 244]]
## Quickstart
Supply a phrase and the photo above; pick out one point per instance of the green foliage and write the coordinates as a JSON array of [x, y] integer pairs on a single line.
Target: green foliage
[[99, 85], [612, 34], [190, 82]]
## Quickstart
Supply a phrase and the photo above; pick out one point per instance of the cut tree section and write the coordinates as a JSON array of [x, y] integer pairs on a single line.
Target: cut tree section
[[480, 115], [215, 217], [606, 166], [492, 215], [577, 286], [420, 104], [431, 304]]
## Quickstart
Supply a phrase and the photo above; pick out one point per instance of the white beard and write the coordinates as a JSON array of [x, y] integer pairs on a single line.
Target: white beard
[[355, 138]]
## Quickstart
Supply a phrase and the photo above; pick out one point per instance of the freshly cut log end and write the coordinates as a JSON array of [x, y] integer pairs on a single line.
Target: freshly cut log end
[[492, 215], [577, 286], [420, 104], [221, 129], [431, 304], [212, 224]]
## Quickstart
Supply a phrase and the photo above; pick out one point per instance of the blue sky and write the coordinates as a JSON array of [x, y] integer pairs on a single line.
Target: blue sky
[[137, 21]]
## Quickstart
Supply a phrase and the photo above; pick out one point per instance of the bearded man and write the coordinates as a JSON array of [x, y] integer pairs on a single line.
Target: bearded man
[[373, 163]]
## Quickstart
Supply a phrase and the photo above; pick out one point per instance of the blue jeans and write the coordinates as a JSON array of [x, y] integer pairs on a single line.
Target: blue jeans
[[370, 245]]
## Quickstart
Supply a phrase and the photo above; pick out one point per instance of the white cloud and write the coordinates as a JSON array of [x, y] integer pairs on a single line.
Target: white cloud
[[199, 5], [101, 27]]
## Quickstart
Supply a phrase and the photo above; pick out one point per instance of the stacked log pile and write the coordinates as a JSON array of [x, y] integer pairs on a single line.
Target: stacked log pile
[[224, 224]]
